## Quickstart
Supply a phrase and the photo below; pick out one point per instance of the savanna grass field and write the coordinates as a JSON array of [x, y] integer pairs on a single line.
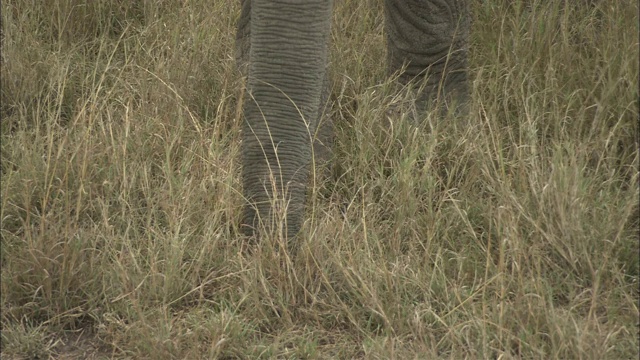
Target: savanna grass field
[[510, 233]]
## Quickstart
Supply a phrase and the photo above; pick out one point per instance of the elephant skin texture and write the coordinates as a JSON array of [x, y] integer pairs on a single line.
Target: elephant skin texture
[[282, 47]]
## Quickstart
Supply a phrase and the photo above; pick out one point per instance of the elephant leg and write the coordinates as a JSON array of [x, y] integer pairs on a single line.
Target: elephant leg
[[288, 46], [428, 39], [243, 35]]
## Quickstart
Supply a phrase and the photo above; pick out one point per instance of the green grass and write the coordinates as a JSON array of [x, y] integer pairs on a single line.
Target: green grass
[[510, 234]]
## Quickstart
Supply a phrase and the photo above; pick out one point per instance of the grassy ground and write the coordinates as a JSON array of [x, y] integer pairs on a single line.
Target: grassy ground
[[510, 234]]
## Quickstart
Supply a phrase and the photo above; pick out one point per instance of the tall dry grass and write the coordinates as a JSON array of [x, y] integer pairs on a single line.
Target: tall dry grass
[[512, 233]]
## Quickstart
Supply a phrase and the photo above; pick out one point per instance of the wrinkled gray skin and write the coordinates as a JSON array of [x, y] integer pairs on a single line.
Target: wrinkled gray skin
[[283, 45]]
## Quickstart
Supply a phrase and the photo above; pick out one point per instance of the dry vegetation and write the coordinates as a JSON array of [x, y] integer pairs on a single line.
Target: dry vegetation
[[510, 234]]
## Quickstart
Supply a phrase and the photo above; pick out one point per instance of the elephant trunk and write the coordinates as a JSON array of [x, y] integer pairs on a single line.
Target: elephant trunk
[[287, 64]]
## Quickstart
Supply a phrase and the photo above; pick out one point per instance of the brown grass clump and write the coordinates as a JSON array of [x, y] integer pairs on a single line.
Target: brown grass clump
[[510, 234]]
